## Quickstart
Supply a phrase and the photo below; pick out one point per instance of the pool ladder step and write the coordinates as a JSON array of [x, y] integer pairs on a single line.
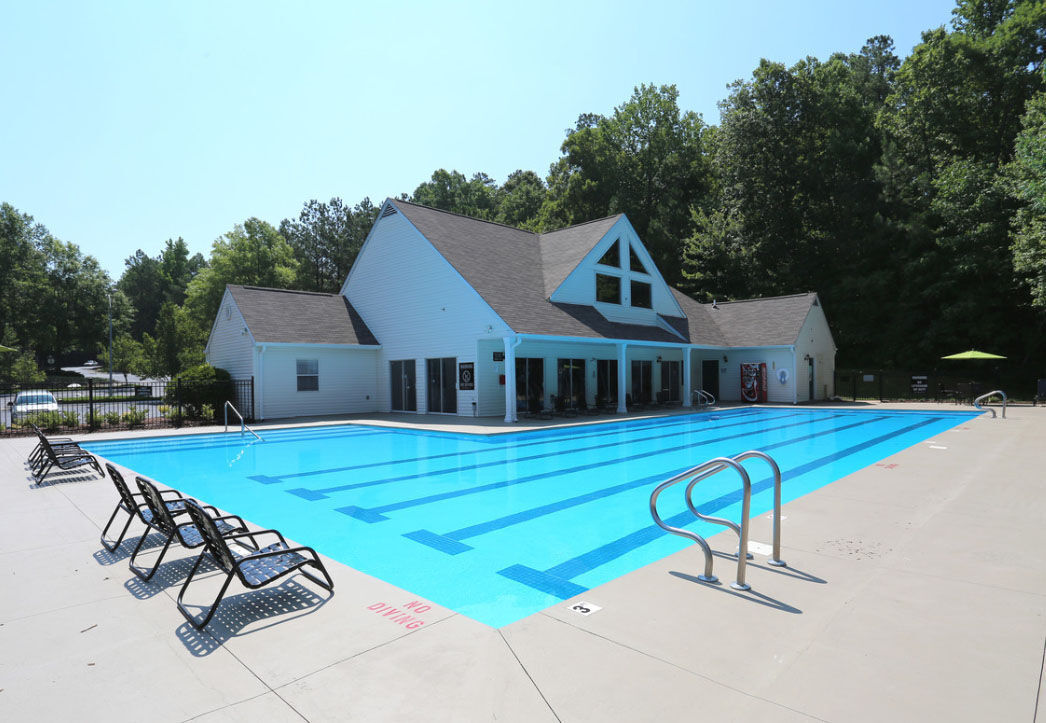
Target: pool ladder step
[[704, 471]]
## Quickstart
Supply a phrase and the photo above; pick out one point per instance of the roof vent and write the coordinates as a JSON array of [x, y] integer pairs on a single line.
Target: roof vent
[[388, 210]]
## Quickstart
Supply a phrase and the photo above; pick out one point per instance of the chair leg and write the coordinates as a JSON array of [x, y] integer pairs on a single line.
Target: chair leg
[[141, 571], [119, 540], [201, 624], [328, 585]]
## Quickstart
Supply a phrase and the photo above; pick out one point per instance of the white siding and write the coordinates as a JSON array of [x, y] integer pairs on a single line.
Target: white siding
[[580, 285], [815, 339], [775, 360], [346, 381], [419, 307], [231, 346]]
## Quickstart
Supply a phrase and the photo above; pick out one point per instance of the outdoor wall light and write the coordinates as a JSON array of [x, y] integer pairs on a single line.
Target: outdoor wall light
[[725, 360]]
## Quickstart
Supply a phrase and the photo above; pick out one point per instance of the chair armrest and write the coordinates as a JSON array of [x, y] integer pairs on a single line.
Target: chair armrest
[[176, 493], [274, 553]]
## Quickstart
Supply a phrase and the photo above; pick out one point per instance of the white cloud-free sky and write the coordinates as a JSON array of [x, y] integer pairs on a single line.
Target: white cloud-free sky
[[127, 123]]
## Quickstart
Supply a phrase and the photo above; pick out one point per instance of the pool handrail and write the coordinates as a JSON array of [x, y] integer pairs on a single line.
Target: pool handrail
[[702, 397], [703, 471], [243, 424], [984, 397], [775, 558]]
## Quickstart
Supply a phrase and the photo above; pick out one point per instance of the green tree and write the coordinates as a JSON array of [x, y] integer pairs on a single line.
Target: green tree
[[127, 355], [254, 254], [1027, 187], [451, 191], [326, 238], [148, 282], [520, 200], [648, 159]]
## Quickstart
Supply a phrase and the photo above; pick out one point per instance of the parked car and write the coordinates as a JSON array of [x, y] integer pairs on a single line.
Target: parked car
[[32, 401], [90, 363]]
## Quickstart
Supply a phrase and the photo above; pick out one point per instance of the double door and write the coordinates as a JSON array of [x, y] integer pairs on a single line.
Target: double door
[[442, 388]]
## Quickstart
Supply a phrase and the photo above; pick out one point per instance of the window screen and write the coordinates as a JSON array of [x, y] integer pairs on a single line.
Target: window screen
[[308, 375]]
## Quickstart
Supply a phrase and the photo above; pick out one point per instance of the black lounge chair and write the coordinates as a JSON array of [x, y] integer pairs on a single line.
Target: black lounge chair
[[65, 459], [162, 520], [59, 444], [255, 569], [136, 507]]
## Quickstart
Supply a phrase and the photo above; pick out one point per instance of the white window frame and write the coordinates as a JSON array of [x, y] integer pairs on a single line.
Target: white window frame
[[308, 369]]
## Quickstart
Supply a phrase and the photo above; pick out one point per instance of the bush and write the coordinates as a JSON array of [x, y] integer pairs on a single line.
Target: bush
[[70, 419], [207, 412], [111, 418], [200, 386], [134, 417], [47, 421]]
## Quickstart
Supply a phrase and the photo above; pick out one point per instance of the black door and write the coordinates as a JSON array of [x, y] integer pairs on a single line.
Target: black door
[[671, 380], [811, 368], [442, 388], [402, 380], [606, 382], [642, 387], [530, 384], [710, 376], [571, 382]]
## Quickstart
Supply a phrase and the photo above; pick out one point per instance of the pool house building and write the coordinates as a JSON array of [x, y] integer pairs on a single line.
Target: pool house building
[[445, 314]]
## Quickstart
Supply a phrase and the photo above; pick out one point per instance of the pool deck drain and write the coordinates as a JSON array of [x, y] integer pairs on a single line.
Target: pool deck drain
[[914, 591]]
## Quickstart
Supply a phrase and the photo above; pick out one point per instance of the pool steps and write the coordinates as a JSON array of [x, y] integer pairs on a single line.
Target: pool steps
[[704, 471]]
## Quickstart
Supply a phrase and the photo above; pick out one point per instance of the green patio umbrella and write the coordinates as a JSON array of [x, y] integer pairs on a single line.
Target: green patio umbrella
[[973, 354], [6, 348]]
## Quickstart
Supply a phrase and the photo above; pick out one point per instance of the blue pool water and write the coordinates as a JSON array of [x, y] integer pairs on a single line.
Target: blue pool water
[[497, 527]]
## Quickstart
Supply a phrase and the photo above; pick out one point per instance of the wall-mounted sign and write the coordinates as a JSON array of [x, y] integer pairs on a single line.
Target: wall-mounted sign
[[499, 356], [920, 383], [467, 375]]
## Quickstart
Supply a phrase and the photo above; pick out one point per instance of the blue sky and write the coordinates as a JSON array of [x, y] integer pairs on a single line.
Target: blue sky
[[130, 123]]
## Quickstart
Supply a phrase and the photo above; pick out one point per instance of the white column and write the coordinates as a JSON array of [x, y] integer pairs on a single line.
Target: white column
[[621, 377], [510, 379], [687, 381]]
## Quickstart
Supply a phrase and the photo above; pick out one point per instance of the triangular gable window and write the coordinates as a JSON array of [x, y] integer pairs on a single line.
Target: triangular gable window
[[633, 261], [613, 256]]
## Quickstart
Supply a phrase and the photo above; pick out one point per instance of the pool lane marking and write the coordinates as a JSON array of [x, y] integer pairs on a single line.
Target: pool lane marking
[[451, 542], [488, 447], [188, 444], [376, 514], [556, 580], [322, 493]]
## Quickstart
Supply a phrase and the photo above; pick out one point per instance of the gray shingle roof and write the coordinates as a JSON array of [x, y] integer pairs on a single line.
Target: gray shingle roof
[[300, 317], [771, 321], [515, 272]]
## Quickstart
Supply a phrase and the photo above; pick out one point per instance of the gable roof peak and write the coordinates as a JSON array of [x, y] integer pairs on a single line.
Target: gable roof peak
[[396, 201]]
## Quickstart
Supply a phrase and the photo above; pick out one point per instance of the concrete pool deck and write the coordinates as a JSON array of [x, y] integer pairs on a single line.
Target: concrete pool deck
[[916, 589]]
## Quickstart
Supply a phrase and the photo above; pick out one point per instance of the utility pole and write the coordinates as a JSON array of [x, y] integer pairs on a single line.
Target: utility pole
[[110, 295]]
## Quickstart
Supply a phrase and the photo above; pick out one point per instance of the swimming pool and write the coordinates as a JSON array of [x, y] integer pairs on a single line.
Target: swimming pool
[[497, 527]]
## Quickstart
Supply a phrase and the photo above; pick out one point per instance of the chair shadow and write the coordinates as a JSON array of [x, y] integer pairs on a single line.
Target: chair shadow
[[123, 552], [170, 573], [748, 595], [57, 476], [289, 600]]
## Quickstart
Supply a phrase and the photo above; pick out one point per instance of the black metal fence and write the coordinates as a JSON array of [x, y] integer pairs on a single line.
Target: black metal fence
[[89, 405], [904, 385]]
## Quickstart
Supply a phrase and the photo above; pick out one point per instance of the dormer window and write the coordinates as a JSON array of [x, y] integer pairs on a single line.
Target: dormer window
[[612, 257], [641, 295], [634, 263], [608, 288]]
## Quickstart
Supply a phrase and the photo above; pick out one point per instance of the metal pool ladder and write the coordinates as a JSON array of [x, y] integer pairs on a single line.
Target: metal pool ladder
[[243, 425], [984, 397], [702, 397], [704, 471]]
